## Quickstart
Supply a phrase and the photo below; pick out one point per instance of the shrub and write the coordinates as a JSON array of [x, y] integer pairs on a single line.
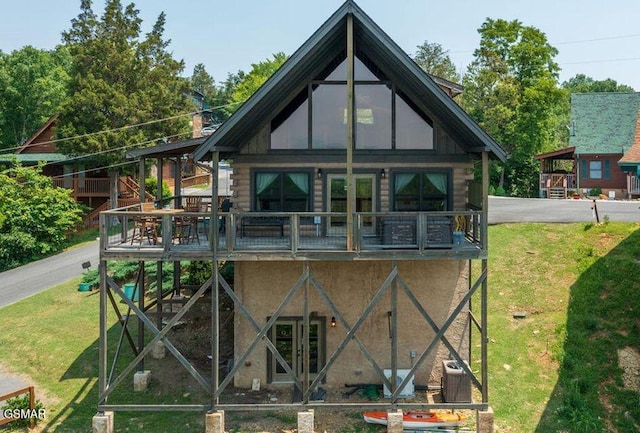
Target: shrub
[[22, 403], [36, 217], [594, 192]]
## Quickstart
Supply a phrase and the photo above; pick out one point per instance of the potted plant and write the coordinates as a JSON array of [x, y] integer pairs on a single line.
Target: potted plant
[[460, 227]]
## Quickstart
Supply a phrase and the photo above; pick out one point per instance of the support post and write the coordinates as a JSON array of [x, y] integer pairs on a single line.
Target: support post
[[484, 421], [214, 422], [305, 422], [102, 356], [214, 233], [394, 421], [484, 335], [141, 380], [393, 321], [102, 422], [350, 131]]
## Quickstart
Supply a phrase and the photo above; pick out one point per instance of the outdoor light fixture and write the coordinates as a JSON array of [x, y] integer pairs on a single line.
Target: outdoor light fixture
[[333, 323], [319, 173], [383, 174]]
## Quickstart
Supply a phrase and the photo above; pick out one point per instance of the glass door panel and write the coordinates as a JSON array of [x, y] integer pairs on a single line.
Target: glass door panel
[[287, 336], [365, 189], [284, 338]]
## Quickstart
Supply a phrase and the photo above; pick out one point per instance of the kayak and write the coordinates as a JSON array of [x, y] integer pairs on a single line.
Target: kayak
[[418, 419]]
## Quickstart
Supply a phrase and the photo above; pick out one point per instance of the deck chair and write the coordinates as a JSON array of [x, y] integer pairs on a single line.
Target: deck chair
[[188, 226], [145, 225]]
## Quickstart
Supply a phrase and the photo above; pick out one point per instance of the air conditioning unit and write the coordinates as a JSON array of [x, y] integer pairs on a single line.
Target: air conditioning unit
[[456, 383], [409, 389]]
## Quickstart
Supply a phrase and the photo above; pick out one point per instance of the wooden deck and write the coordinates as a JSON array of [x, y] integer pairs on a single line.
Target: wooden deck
[[308, 236]]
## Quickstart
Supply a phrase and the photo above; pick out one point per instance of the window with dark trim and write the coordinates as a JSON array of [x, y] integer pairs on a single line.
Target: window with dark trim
[[421, 191], [282, 191], [595, 169]]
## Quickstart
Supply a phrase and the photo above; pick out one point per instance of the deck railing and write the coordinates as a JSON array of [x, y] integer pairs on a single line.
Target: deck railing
[[174, 232], [87, 187]]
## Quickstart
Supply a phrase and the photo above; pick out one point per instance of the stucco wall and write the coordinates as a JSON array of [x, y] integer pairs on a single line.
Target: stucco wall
[[439, 285]]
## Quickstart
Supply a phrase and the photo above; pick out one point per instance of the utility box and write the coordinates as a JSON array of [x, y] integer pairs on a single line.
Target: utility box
[[456, 383], [407, 392]]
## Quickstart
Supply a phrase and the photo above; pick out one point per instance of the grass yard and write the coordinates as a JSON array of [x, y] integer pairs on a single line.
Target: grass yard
[[555, 370]]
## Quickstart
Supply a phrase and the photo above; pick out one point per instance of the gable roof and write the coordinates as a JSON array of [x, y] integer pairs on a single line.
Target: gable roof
[[40, 141], [314, 55], [632, 156], [603, 122], [39, 147]]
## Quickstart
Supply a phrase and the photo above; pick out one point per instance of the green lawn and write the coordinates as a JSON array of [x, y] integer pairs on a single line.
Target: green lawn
[[554, 371]]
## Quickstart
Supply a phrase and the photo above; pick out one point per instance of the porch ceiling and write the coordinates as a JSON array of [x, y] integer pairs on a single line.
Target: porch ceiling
[[566, 153]]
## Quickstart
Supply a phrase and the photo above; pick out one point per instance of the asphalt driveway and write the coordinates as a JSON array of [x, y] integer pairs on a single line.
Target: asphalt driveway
[[507, 209], [27, 280]]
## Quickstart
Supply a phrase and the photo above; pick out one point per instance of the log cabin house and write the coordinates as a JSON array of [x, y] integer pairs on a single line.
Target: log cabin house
[[604, 138], [354, 215]]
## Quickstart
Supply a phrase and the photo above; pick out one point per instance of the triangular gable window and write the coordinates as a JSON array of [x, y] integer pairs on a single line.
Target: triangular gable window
[[326, 108]]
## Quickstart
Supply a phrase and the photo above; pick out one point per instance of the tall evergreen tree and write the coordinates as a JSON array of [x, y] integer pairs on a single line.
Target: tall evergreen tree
[[120, 79], [202, 81]]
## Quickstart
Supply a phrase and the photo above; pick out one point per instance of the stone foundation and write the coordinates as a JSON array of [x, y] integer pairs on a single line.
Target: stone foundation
[[141, 380]]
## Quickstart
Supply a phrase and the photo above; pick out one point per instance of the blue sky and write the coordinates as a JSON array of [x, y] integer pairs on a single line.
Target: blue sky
[[599, 39]]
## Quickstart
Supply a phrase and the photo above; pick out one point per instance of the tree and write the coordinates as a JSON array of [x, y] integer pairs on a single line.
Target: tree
[[35, 217], [202, 81], [224, 97], [34, 86], [511, 89], [583, 84], [251, 82], [120, 80], [436, 61]]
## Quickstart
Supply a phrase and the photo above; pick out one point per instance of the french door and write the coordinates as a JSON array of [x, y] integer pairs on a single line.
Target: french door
[[365, 189], [287, 335]]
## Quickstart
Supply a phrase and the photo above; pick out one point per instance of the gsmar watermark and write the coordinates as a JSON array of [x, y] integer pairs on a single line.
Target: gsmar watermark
[[25, 414]]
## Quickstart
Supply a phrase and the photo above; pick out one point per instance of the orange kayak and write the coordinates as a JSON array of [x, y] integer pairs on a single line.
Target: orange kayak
[[418, 419]]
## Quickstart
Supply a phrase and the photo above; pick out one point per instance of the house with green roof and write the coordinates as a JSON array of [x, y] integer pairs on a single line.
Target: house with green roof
[[603, 148]]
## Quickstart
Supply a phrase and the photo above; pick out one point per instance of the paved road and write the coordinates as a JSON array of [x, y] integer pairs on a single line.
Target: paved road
[[35, 277], [506, 209]]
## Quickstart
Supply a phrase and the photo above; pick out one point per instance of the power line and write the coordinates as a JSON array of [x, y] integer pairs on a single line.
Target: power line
[[128, 146], [608, 38], [122, 128], [601, 61], [579, 41]]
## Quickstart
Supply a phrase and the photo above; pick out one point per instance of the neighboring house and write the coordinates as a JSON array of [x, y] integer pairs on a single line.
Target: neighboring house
[[90, 188], [358, 221], [601, 153]]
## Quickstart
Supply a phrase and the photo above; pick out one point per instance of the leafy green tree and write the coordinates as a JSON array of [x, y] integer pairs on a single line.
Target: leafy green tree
[[251, 82], [584, 84], [120, 80], [34, 86], [436, 61], [36, 216], [511, 89]]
